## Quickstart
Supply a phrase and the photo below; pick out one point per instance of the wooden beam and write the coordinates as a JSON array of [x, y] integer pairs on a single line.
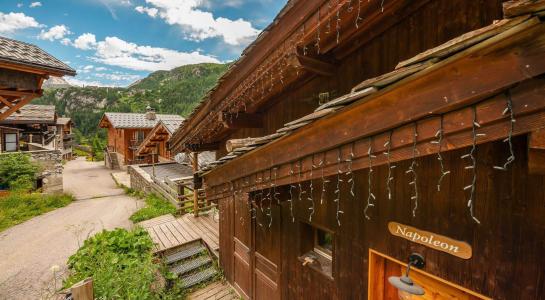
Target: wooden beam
[[522, 7], [241, 120], [18, 94], [529, 106], [6, 102], [195, 192], [203, 147], [316, 65], [478, 72], [536, 152], [24, 101]]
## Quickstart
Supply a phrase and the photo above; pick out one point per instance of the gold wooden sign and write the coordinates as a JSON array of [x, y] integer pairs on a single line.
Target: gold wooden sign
[[431, 240]]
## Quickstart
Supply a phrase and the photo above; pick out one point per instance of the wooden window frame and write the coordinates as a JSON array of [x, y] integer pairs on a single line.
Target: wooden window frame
[[309, 246]]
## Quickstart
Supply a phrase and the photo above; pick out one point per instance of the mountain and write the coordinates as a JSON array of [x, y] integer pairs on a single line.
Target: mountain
[[56, 83], [177, 91]]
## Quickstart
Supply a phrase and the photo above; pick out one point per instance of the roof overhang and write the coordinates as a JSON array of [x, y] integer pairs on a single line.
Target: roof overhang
[[477, 80]]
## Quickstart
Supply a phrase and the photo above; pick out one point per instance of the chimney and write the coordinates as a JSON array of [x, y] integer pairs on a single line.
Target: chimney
[[150, 113]]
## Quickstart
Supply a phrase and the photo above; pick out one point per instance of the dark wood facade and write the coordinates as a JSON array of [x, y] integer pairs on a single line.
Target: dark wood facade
[[262, 248]]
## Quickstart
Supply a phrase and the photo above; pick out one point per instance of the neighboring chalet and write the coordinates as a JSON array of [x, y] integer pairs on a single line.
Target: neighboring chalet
[[24, 127], [65, 136], [383, 134], [126, 132], [154, 148]]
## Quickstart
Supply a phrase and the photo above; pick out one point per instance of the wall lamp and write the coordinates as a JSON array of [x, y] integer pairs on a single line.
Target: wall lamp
[[405, 286]]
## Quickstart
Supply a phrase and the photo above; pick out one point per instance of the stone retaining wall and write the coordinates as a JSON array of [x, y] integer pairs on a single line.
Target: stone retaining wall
[[52, 169], [140, 179]]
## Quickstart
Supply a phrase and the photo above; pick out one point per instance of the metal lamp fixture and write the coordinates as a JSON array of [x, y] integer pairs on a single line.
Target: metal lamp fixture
[[406, 288]]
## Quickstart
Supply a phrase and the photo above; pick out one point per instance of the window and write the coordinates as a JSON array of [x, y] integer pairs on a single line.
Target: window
[[317, 249], [323, 243], [139, 136], [11, 142]]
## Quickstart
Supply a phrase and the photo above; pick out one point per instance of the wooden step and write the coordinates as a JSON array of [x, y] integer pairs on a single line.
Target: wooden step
[[199, 277], [185, 253], [191, 265]]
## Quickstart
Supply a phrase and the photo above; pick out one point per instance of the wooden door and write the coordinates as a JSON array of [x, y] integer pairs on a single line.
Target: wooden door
[[267, 241], [242, 266], [381, 267]]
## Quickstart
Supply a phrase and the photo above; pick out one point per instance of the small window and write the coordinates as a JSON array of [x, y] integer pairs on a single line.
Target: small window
[[11, 142], [317, 249], [323, 242]]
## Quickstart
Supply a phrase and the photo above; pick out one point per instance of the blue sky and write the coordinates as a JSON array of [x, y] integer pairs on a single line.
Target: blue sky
[[116, 42]]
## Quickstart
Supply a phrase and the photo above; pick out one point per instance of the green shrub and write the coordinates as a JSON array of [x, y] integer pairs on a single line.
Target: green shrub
[[155, 207], [15, 165], [18, 206], [121, 265]]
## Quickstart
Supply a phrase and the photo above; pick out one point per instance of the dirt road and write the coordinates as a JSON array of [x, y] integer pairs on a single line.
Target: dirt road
[[29, 250]]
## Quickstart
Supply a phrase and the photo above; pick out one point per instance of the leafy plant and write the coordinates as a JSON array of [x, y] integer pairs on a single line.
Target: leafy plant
[[155, 207], [15, 168], [121, 265], [18, 206]]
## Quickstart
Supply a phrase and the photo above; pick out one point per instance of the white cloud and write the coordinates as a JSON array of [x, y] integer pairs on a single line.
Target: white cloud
[[66, 41], [101, 69], [85, 41], [80, 82], [19, 5], [199, 24], [150, 11], [54, 33], [117, 52], [9, 23], [35, 4]]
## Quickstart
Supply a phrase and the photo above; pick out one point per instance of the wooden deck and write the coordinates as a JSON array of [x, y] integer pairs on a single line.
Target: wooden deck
[[216, 290], [169, 232]]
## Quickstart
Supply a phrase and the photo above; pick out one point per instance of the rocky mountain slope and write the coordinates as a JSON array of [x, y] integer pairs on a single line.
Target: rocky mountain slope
[[176, 91]]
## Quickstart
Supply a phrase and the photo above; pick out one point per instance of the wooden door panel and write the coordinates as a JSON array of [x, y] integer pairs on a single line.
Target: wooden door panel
[[266, 279], [241, 268]]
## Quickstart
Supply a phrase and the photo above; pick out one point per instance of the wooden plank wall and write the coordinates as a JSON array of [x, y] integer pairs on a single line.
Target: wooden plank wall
[[507, 260], [434, 24], [509, 203]]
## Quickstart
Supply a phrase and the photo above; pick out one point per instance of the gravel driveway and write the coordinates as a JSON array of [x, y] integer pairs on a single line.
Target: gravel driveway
[[29, 250]]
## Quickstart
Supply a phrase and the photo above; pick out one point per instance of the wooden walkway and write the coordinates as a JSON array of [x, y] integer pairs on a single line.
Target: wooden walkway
[[169, 232], [216, 290]]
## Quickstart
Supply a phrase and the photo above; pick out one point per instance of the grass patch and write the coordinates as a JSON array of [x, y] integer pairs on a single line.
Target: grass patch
[[122, 266], [155, 207], [20, 206]]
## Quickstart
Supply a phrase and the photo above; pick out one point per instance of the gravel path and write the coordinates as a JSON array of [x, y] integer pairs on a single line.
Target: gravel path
[[29, 250]]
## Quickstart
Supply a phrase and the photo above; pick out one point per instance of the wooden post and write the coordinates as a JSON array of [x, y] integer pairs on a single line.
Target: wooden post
[[195, 189], [536, 152], [83, 290]]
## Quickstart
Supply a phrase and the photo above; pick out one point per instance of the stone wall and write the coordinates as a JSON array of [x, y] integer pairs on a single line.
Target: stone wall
[[140, 179], [52, 169]]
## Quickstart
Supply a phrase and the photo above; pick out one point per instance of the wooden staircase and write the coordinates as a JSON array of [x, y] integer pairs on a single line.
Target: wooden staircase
[[191, 263]]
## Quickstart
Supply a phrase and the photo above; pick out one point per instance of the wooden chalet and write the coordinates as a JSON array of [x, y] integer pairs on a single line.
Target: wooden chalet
[[65, 137], [382, 135], [155, 145], [23, 69], [36, 125], [126, 132]]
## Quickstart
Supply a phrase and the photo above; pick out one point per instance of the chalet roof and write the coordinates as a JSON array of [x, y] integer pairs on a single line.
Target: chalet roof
[[172, 124], [32, 113], [28, 55], [170, 170], [205, 158], [366, 89], [137, 120], [63, 121]]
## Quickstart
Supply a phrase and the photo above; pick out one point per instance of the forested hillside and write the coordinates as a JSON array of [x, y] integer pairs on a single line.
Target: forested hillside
[[176, 91]]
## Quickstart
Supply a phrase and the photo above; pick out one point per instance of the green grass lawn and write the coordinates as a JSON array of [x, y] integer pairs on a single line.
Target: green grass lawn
[[19, 207], [155, 207]]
